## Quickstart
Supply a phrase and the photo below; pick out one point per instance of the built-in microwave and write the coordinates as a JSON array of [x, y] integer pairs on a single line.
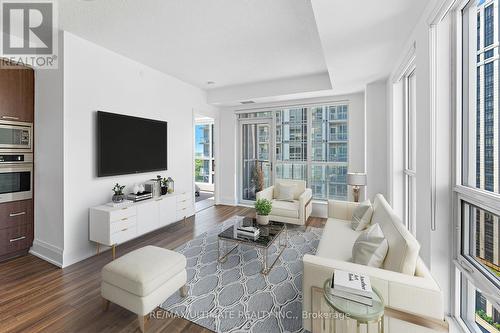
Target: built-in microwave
[[16, 136], [16, 176]]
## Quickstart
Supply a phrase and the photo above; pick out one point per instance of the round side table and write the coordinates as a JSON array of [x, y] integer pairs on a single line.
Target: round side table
[[363, 314]]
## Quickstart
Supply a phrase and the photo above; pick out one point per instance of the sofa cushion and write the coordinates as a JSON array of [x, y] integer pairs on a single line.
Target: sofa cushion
[[370, 248], [285, 192], [299, 187], [403, 247], [285, 208], [337, 240], [142, 271], [362, 216]]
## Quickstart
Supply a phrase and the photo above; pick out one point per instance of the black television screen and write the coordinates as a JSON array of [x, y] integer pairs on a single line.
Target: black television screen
[[130, 144]]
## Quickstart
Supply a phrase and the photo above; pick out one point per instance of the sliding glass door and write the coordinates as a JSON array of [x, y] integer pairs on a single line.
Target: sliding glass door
[[256, 157]]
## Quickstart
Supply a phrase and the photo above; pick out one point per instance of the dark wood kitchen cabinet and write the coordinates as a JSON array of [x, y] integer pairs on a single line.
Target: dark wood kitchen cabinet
[[17, 95]]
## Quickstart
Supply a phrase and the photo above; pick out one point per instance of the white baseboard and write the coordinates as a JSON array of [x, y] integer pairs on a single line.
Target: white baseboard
[[226, 201], [82, 254], [47, 252]]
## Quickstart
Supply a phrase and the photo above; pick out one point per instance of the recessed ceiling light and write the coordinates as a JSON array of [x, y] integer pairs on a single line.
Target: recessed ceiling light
[[210, 83]]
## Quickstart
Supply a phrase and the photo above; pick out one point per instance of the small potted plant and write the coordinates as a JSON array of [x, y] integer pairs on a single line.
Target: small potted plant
[[164, 186], [263, 208], [118, 190]]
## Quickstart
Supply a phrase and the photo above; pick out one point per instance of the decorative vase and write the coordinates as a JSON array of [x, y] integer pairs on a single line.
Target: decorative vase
[[136, 189], [117, 198], [262, 219], [164, 190]]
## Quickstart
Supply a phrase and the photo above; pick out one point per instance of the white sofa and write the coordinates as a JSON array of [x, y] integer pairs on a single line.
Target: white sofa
[[293, 212], [416, 294]]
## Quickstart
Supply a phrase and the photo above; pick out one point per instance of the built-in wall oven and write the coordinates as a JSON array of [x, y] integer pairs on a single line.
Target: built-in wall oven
[[16, 176], [16, 136]]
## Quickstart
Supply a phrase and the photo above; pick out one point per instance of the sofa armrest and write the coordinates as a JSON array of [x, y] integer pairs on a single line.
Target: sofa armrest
[[412, 294], [303, 200], [266, 193], [341, 210]]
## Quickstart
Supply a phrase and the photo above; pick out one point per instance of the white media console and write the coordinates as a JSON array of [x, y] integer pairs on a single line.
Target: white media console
[[111, 226]]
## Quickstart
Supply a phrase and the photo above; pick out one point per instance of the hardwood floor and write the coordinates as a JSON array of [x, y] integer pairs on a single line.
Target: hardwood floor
[[36, 296]]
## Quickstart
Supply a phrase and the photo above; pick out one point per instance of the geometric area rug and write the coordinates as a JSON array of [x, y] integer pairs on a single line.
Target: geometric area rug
[[234, 296]]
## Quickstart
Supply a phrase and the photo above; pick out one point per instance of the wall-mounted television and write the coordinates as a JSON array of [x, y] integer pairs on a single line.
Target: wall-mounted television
[[127, 145]]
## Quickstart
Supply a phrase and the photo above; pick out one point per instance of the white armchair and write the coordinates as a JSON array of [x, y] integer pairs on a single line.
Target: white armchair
[[293, 212]]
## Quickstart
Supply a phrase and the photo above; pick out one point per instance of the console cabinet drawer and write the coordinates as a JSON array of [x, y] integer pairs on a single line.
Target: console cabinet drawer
[[183, 212], [124, 235], [16, 239], [122, 225], [122, 213], [186, 203], [184, 196], [16, 213]]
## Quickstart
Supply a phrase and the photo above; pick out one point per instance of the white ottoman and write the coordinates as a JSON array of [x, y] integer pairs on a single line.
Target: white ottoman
[[142, 279]]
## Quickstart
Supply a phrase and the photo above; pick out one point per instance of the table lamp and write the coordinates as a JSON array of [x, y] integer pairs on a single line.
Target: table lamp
[[356, 180]]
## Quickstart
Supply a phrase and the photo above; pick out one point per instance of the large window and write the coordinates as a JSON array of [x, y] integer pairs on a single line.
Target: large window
[[204, 153], [477, 190], [311, 143]]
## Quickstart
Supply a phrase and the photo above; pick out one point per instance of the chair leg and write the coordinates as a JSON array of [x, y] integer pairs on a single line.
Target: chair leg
[[105, 304], [184, 290], [142, 322]]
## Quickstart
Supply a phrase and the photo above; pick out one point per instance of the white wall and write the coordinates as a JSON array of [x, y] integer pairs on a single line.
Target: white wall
[[98, 79], [376, 138], [227, 160], [435, 245], [230, 140], [48, 181]]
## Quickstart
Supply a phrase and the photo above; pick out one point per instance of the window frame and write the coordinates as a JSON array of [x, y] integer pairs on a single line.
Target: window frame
[[409, 150], [464, 266], [211, 156]]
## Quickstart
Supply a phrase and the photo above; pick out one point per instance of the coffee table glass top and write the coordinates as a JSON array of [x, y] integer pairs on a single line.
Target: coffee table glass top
[[358, 311], [268, 233]]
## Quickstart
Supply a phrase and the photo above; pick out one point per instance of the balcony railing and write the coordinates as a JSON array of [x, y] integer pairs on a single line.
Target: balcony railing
[[335, 117], [337, 157], [338, 137], [338, 179]]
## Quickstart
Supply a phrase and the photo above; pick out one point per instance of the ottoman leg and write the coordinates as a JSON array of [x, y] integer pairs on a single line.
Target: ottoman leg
[[184, 290], [105, 304], [142, 322]]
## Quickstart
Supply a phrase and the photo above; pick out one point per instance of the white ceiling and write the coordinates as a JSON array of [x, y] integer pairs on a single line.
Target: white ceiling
[[253, 44], [363, 39], [227, 41]]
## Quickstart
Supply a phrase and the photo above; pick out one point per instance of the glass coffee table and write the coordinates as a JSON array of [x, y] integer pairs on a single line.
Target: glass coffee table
[[269, 235]]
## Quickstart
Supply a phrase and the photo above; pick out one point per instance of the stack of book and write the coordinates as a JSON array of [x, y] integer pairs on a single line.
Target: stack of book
[[352, 286], [248, 232]]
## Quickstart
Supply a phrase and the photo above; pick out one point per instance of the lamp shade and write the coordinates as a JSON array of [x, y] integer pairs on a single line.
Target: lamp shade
[[356, 179]]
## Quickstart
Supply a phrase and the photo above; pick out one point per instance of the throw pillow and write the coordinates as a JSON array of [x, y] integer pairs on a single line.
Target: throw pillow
[[285, 192], [361, 216], [370, 248]]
